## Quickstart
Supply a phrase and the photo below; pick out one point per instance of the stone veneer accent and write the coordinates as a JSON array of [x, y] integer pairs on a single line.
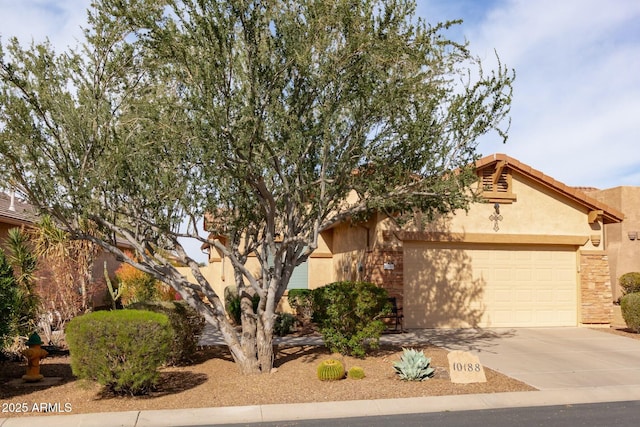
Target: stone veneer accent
[[391, 280], [595, 288]]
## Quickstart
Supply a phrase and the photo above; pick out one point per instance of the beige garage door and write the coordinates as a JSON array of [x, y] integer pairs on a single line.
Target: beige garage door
[[462, 285]]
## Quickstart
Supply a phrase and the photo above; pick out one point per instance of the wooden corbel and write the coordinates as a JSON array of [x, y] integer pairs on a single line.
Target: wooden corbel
[[595, 216]]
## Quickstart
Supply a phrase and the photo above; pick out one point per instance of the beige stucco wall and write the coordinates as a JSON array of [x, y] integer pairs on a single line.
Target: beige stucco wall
[[536, 211], [212, 273], [624, 253], [219, 271]]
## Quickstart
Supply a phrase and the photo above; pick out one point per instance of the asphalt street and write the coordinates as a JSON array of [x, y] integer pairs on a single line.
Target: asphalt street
[[612, 414]]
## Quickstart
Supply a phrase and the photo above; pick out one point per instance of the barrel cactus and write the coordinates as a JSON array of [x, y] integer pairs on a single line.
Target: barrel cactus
[[331, 370], [355, 373]]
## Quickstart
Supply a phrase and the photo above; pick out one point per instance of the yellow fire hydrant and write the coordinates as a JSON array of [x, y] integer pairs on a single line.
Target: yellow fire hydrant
[[34, 353]]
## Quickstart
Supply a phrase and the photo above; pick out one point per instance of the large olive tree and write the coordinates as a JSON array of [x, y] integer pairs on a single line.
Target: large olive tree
[[263, 114]]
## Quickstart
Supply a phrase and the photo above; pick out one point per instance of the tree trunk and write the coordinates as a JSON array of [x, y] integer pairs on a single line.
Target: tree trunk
[[265, 343], [248, 339]]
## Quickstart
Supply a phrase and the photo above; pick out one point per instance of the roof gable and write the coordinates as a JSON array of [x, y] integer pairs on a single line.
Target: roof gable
[[609, 214]]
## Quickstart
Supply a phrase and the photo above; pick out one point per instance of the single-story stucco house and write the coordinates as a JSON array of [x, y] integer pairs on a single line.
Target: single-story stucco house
[[531, 254]]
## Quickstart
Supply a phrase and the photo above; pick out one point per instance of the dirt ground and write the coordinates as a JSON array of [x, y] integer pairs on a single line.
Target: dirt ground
[[213, 381]]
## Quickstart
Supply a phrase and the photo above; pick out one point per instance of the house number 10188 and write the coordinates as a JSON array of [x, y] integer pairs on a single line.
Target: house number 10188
[[466, 367]]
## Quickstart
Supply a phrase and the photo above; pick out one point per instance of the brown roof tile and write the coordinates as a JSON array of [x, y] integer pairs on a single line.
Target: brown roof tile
[[22, 212], [574, 193]]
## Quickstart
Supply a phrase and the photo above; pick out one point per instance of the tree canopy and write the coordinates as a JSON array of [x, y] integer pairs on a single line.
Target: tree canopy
[[263, 115]]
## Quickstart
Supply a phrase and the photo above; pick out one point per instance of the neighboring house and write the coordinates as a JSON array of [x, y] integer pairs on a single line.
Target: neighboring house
[[622, 239], [531, 254], [15, 212]]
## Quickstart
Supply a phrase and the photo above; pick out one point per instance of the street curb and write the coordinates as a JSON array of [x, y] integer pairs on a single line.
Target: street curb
[[328, 410]]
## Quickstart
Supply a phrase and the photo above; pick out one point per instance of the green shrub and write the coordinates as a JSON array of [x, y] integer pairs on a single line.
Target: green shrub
[[630, 283], [186, 325], [121, 350], [301, 301], [355, 373], [413, 366], [348, 316], [232, 303], [630, 306], [330, 370], [9, 301], [284, 324]]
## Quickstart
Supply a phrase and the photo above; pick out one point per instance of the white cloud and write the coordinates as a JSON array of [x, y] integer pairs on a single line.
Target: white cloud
[[38, 20], [577, 91]]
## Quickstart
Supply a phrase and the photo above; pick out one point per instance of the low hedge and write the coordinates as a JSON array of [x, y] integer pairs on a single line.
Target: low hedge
[[630, 282], [121, 350], [186, 323], [630, 306]]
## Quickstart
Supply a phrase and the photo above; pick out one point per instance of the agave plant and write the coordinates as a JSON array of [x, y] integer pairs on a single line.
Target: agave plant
[[413, 366]]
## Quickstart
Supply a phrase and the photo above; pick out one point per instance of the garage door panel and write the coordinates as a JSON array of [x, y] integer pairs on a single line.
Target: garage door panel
[[524, 296], [523, 274], [544, 296], [523, 316], [543, 274], [500, 286]]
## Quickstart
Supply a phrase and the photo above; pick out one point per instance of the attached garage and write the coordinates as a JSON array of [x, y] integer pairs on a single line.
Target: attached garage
[[488, 285]]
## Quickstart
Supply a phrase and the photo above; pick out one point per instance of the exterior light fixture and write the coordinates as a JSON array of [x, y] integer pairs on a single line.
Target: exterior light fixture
[[633, 235]]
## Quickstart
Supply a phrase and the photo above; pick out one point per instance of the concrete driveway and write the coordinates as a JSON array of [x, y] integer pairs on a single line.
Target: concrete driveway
[[545, 358], [549, 358]]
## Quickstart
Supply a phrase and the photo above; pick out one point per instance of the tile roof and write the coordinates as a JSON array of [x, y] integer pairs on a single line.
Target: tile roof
[[576, 194], [22, 212]]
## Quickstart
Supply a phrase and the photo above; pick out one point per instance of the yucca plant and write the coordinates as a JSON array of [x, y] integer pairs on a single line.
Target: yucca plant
[[413, 366]]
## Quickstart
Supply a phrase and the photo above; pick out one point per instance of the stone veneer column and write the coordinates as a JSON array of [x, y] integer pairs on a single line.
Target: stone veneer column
[[595, 288], [391, 280]]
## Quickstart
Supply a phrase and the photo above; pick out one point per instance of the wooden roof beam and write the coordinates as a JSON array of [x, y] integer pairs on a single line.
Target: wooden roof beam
[[595, 215]]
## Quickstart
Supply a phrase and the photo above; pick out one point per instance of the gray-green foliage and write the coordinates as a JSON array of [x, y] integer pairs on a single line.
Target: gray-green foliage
[[413, 365], [262, 112]]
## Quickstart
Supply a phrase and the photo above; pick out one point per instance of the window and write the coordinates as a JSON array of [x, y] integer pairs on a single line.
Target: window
[[300, 277]]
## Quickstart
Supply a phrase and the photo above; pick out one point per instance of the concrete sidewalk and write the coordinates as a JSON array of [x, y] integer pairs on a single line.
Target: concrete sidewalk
[[327, 410], [567, 365]]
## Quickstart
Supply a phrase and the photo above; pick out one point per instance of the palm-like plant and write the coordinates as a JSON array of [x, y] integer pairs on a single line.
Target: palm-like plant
[[23, 261]]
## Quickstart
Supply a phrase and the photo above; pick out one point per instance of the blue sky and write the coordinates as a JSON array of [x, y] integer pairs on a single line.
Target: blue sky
[[576, 108]]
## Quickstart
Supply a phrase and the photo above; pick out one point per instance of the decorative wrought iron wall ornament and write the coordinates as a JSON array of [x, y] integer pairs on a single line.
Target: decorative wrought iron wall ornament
[[495, 217]]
